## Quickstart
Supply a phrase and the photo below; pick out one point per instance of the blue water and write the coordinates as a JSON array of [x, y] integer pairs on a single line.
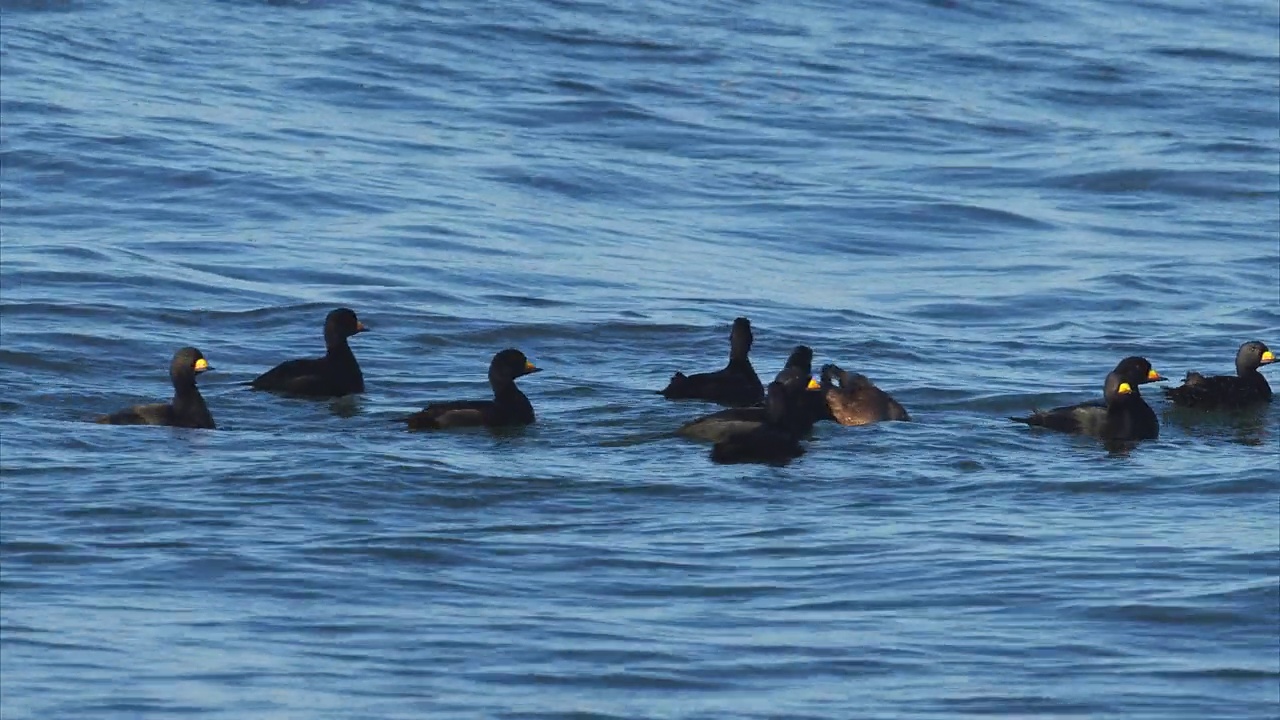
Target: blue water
[[982, 206]]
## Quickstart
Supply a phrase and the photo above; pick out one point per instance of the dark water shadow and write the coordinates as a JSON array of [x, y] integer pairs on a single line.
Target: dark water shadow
[[347, 406], [1242, 427]]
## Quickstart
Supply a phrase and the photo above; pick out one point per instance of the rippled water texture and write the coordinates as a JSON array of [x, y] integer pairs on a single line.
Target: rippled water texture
[[982, 206]]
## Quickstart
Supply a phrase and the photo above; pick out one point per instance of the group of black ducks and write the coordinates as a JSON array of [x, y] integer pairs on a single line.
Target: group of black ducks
[[760, 424]]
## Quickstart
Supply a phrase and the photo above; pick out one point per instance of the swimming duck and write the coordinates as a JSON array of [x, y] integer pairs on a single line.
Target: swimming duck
[[720, 425], [737, 384], [509, 406], [187, 408], [1137, 370], [1126, 417], [777, 440], [1134, 370], [857, 401], [334, 375], [799, 364], [1247, 387]]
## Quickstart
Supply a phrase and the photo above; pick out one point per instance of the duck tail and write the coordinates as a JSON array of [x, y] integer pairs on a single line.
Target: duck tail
[[675, 387]]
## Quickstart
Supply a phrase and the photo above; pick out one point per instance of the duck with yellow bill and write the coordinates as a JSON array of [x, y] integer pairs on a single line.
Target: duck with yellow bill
[[723, 424], [1228, 392], [187, 409], [509, 407], [334, 375], [1126, 416], [1134, 370]]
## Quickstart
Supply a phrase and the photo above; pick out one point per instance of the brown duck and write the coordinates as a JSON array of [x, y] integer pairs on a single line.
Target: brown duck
[[856, 400]]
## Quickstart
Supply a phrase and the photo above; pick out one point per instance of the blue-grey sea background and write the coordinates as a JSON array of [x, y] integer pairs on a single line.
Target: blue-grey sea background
[[982, 205]]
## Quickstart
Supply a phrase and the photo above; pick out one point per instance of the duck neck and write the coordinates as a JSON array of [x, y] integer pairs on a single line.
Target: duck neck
[[1128, 404], [507, 395], [187, 397], [184, 385], [340, 353], [740, 361], [1255, 380], [506, 389]]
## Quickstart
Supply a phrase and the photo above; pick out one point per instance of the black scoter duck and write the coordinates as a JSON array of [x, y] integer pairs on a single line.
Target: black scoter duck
[[1134, 370], [737, 384], [720, 425], [1126, 417], [1226, 392], [187, 408], [777, 440], [509, 406], [334, 375]]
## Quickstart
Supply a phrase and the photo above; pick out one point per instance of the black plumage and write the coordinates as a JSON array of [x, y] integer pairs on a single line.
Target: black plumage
[[1227, 392], [187, 409], [776, 440], [735, 385], [1134, 370], [1126, 415], [509, 407], [334, 375], [806, 407]]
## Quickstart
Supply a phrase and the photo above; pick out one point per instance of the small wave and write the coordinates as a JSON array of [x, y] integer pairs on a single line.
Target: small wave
[[43, 6], [1200, 183], [1222, 673], [1166, 614], [1201, 52]]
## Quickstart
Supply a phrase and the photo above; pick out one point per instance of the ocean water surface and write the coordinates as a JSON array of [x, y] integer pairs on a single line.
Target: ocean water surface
[[982, 206]]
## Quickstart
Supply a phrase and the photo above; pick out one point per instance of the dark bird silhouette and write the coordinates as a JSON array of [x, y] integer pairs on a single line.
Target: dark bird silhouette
[[1125, 417], [776, 440], [1133, 370], [857, 401], [1226, 392], [334, 375], [509, 406], [187, 408], [801, 392], [737, 384]]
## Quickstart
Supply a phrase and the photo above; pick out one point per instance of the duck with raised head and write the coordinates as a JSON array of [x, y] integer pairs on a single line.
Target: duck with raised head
[[1134, 370], [775, 441], [1137, 370], [334, 375], [1127, 415], [1226, 392], [187, 409], [802, 392], [721, 424], [857, 401], [509, 407], [799, 364], [806, 393], [735, 385]]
